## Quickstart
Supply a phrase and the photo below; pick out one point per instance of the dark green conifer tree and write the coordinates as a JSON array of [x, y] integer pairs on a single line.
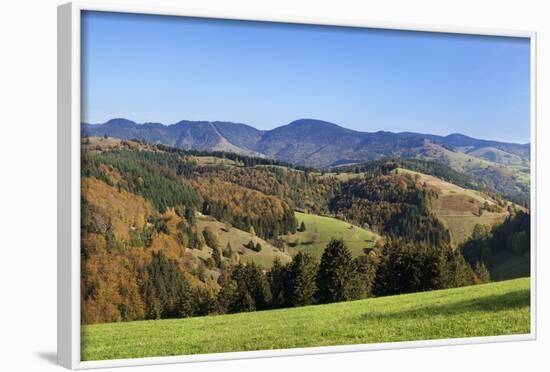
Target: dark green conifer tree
[[336, 273], [302, 275]]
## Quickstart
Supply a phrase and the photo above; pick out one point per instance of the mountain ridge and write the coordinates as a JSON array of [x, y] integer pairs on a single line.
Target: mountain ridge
[[502, 166], [298, 122]]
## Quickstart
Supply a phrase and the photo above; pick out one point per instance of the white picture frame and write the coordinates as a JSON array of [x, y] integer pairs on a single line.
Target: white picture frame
[[69, 119]]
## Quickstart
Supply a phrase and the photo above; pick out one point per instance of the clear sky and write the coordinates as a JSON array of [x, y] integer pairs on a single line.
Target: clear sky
[[165, 69]]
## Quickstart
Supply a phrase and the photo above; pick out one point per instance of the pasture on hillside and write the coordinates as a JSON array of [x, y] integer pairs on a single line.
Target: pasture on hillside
[[321, 229], [458, 208], [238, 240], [500, 308]]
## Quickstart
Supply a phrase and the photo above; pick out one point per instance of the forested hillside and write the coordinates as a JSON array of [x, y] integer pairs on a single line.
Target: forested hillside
[[496, 166], [170, 233]]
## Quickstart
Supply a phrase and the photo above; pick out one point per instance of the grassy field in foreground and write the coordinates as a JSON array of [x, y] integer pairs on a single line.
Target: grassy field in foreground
[[500, 308], [319, 231]]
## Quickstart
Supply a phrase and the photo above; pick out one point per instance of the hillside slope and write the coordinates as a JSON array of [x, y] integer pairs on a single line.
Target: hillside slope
[[501, 166], [238, 240], [461, 209], [320, 229], [502, 173], [501, 308]]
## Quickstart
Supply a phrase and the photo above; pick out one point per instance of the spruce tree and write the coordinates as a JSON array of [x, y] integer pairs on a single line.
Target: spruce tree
[[302, 273], [217, 256], [279, 284], [228, 251], [481, 273], [166, 290], [454, 271], [336, 273]]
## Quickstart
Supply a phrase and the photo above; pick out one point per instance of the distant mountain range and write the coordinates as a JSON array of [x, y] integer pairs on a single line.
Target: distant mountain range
[[303, 142]]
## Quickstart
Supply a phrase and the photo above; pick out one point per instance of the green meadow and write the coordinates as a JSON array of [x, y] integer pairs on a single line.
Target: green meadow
[[321, 229], [499, 308]]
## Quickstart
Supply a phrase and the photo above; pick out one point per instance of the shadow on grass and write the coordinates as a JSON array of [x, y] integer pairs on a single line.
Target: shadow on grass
[[494, 303]]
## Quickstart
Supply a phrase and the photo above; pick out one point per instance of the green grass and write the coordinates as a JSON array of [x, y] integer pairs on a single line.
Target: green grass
[[320, 229], [238, 239], [500, 308]]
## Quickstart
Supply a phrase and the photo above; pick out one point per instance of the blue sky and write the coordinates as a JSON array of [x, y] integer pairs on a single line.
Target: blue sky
[[165, 69]]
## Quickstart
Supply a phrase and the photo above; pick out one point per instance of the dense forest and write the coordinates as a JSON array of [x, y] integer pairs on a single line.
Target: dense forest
[[503, 249], [153, 220], [393, 204], [304, 190], [488, 180]]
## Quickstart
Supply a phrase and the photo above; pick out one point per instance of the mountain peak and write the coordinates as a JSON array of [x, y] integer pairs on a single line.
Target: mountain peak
[[120, 122], [457, 136], [312, 122]]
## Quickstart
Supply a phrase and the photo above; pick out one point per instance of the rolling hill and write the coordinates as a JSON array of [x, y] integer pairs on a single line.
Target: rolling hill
[[172, 233], [501, 308], [501, 166], [238, 240], [460, 208], [320, 229]]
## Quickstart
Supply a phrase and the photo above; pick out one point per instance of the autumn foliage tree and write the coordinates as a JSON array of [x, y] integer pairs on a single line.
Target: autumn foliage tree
[[143, 213]]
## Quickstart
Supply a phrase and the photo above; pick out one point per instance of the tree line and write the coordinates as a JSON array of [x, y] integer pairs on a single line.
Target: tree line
[[397, 268], [509, 241]]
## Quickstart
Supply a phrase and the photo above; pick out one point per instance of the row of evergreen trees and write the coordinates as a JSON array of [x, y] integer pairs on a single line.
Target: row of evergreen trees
[[398, 268], [266, 225], [509, 242]]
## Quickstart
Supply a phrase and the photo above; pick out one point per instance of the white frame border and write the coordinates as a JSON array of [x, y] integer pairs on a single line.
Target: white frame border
[[68, 219]]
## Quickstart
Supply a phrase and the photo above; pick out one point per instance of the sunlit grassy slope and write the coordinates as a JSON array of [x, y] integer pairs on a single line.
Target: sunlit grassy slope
[[319, 231], [458, 208], [238, 239], [500, 308]]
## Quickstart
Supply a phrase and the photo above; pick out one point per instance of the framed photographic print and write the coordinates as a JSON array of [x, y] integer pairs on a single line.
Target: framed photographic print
[[237, 186]]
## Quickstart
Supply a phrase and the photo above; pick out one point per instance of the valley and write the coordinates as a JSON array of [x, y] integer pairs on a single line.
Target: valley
[[172, 233]]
